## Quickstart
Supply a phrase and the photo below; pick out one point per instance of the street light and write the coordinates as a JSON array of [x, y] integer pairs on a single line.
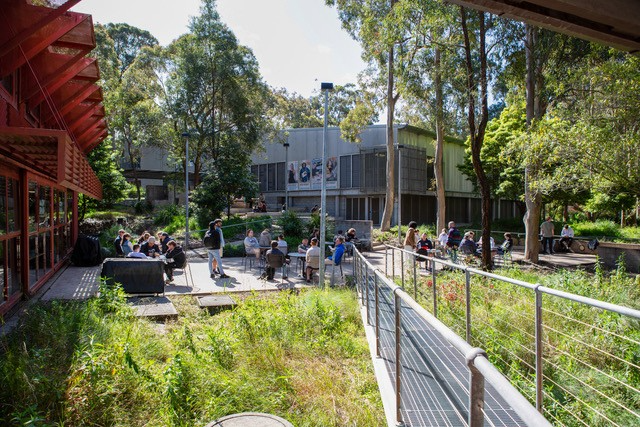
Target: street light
[[286, 174], [186, 187], [400, 147], [326, 87]]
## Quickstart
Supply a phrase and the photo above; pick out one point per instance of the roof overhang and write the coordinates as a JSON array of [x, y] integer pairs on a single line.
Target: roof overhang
[[50, 152], [614, 23]]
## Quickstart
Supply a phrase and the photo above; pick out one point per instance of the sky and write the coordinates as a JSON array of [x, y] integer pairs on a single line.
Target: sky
[[298, 43]]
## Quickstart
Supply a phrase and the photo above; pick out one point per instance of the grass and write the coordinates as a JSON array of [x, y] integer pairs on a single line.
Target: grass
[[589, 355], [303, 358]]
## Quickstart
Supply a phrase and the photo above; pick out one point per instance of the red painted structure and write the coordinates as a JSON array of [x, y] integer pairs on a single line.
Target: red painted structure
[[51, 116]]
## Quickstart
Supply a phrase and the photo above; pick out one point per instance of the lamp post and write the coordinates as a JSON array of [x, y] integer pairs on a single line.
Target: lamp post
[[326, 87], [400, 147], [186, 188], [286, 174]]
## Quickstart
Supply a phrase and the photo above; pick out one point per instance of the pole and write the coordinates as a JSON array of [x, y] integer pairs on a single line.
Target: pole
[[400, 195], [326, 87], [186, 188], [286, 175]]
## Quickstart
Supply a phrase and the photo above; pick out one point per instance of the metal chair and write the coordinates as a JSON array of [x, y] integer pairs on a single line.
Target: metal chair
[[249, 257], [277, 261]]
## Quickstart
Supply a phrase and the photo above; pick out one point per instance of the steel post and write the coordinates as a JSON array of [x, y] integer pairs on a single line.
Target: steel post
[[476, 389], [415, 280], [467, 289], [538, 319], [402, 267], [393, 264], [375, 287], [398, 360], [366, 284], [435, 292]]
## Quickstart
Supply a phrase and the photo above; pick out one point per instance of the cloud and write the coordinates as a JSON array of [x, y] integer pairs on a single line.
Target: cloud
[[323, 49]]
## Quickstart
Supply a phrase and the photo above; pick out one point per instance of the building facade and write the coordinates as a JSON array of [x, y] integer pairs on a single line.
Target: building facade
[[51, 116], [357, 177]]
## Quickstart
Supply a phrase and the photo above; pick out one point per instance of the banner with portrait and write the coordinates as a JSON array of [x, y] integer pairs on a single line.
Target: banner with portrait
[[292, 176], [316, 174], [304, 174], [331, 171]]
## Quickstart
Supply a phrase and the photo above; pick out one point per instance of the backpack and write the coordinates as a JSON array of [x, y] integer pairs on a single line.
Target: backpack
[[208, 239], [593, 244]]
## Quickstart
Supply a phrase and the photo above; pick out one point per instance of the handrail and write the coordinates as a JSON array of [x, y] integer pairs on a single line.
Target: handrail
[[619, 309], [476, 358], [538, 292]]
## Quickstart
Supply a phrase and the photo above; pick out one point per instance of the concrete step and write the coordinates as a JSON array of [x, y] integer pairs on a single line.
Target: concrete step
[[157, 308]]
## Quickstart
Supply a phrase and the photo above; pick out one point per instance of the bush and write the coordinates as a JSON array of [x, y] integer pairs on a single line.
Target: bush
[[599, 228], [233, 251], [143, 207], [167, 214], [292, 225]]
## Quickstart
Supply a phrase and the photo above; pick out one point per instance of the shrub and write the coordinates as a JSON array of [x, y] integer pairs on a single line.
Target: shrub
[[167, 214], [231, 251], [292, 225]]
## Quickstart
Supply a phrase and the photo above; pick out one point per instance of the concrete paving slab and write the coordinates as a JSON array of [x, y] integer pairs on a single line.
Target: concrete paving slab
[[250, 419], [153, 307], [216, 303]]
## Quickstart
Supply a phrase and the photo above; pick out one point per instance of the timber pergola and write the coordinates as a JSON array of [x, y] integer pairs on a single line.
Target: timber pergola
[[613, 23]]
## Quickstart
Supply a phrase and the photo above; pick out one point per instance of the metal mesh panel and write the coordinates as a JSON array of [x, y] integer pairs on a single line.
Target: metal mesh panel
[[280, 176], [345, 171]]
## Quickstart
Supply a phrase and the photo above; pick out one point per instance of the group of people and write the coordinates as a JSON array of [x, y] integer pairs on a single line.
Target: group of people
[[148, 247], [547, 232], [275, 251]]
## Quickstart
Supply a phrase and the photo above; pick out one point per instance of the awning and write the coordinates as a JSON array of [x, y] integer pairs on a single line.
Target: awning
[[52, 153]]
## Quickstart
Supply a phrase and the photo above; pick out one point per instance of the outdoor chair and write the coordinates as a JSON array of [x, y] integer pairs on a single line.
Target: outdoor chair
[[277, 261], [249, 258]]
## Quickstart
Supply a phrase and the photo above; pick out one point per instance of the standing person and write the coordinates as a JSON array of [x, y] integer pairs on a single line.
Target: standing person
[[453, 241], [117, 243], [443, 237], [175, 259], [214, 240], [411, 239], [127, 246], [546, 230], [566, 237]]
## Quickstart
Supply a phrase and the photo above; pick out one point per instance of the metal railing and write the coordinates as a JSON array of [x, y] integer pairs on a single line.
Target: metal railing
[[481, 370], [577, 358]]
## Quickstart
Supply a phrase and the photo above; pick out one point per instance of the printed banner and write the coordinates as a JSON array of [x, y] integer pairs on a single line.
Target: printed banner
[[304, 175], [316, 174], [332, 172], [292, 176]]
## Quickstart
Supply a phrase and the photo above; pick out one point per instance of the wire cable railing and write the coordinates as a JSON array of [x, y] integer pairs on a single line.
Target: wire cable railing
[[580, 355], [397, 318]]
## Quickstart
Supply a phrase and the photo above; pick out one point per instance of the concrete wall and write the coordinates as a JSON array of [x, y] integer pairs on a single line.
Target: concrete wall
[[610, 252]]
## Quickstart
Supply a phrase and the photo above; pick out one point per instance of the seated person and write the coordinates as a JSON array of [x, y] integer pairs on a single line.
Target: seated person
[[150, 248], [164, 241], [338, 251], [136, 253], [282, 245], [423, 246], [271, 253], [176, 258], [339, 233], [144, 237], [117, 243], [313, 259], [251, 244], [468, 246], [127, 244], [351, 235], [566, 237], [265, 238], [492, 243], [304, 246], [506, 245]]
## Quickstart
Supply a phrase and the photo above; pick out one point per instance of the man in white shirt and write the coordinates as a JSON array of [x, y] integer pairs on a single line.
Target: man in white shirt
[[566, 237]]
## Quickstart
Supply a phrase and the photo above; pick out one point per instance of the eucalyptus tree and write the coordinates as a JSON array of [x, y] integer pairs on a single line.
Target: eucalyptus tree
[[373, 24], [215, 93]]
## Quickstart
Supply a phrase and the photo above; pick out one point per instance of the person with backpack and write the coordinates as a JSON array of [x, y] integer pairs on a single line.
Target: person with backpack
[[453, 241], [214, 241]]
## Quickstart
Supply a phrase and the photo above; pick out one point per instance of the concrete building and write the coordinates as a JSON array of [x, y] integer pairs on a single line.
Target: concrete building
[[356, 175]]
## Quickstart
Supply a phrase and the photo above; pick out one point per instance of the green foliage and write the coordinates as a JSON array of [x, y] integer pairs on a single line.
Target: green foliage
[[143, 207], [291, 224], [237, 226], [304, 358], [167, 214], [231, 251]]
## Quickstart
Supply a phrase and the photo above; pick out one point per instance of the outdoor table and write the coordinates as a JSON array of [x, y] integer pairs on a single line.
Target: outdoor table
[[301, 257], [137, 276]]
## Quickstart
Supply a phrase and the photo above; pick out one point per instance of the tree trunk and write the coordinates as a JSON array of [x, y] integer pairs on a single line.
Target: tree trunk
[[477, 134], [532, 198], [437, 164], [385, 223]]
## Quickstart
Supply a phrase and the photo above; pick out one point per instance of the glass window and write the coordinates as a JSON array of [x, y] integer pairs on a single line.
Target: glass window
[[44, 207], [355, 170], [33, 206], [13, 206], [345, 171], [280, 180], [262, 174], [3, 205], [14, 282], [271, 177]]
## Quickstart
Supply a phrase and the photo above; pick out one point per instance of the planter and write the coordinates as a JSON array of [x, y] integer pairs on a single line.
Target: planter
[[610, 252]]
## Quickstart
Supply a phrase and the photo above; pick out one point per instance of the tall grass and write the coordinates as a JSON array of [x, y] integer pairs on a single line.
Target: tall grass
[[585, 349], [303, 358]]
